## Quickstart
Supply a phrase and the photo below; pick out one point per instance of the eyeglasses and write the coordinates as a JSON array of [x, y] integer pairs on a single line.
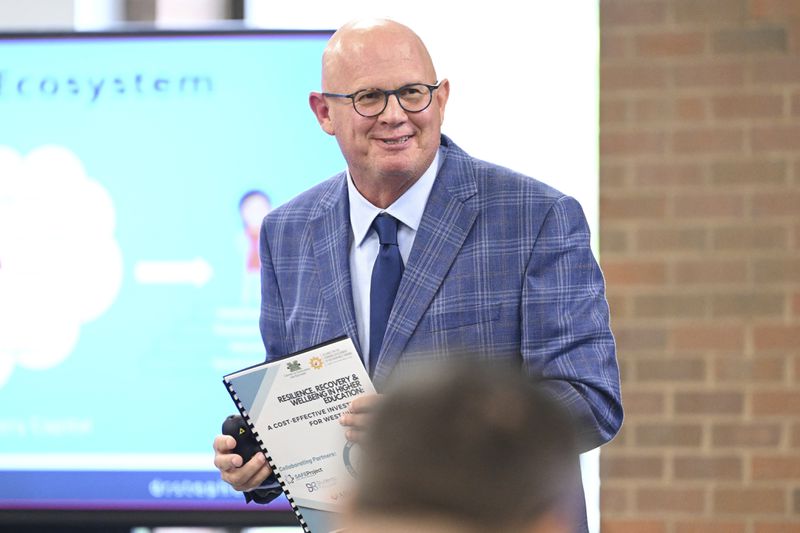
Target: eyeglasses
[[413, 98]]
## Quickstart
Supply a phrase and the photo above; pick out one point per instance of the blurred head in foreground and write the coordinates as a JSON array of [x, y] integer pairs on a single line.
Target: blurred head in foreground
[[466, 447]]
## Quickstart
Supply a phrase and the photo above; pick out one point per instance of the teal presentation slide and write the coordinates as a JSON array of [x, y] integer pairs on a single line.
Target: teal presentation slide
[[134, 174]]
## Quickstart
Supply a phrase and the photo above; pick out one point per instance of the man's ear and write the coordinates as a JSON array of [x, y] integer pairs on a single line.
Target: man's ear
[[441, 95], [321, 110]]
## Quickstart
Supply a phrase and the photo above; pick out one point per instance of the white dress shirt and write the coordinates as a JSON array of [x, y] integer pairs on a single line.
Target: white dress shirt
[[364, 244]]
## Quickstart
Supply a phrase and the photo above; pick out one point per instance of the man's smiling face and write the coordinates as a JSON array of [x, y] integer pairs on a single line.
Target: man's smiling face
[[393, 149]]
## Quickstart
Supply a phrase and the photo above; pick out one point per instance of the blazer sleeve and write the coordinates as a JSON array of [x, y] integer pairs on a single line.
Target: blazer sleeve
[[566, 335], [271, 321]]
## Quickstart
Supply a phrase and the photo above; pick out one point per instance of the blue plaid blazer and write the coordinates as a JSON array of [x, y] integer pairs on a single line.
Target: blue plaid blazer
[[501, 266]]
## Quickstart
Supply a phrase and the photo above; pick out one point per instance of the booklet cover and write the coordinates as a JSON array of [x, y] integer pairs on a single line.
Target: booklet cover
[[293, 407]]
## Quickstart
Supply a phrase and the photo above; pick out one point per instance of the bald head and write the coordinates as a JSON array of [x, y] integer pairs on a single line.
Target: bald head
[[361, 45]]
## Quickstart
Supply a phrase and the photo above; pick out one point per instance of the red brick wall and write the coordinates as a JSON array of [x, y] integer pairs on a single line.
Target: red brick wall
[[700, 243]]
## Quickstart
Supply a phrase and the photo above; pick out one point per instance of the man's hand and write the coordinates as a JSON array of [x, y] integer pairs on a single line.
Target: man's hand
[[358, 415], [240, 477]]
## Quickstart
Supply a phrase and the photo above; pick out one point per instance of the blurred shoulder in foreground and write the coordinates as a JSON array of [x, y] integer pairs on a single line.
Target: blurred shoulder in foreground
[[465, 446]]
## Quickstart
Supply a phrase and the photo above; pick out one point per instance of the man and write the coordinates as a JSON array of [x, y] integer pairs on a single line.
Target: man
[[444, 427], [253, 207], [491, 262]]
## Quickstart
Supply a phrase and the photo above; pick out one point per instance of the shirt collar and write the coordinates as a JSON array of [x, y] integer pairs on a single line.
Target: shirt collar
[[407, 209]]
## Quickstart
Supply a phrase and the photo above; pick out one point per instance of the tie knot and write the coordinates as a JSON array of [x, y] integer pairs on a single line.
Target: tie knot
[[386, 227]]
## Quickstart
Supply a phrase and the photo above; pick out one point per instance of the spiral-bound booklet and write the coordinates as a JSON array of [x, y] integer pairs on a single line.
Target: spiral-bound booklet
[[293, 407]]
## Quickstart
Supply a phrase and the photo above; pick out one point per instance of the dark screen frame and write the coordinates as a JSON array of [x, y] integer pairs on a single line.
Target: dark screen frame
[[122, 519]]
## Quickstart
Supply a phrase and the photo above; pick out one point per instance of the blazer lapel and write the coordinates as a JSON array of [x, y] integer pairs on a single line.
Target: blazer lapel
[[330, 232], [444, 227]]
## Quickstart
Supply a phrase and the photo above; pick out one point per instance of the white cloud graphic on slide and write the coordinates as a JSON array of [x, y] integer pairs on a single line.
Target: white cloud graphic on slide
[[60, 265]]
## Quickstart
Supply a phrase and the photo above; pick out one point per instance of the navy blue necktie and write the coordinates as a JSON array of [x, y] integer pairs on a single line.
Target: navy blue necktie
[[386, 274]]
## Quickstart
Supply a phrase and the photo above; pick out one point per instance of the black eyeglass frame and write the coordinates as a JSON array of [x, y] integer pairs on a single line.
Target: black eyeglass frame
[[386, 95]]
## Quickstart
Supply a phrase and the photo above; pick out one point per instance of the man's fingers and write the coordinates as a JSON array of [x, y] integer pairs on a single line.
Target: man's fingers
[[255, 480], [364, 403], [227, 462], [354, 435], [242, 477], [224, 443], [360, 410], [356, 424], [224, 460], [355, 420], [250, 475]]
